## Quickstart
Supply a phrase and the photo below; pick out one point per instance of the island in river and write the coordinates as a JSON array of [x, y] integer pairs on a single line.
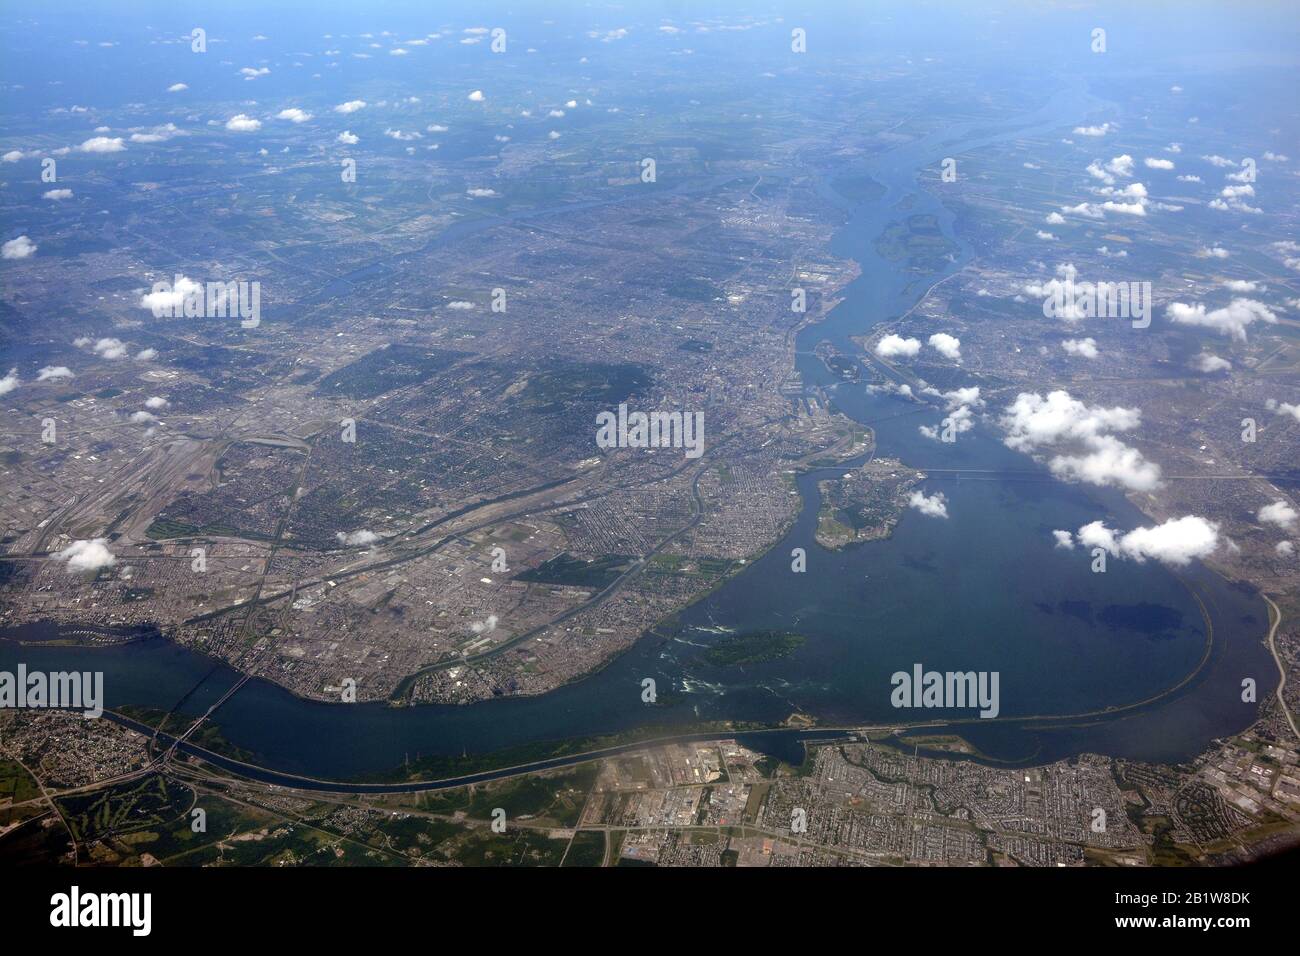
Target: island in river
[[864, 504]]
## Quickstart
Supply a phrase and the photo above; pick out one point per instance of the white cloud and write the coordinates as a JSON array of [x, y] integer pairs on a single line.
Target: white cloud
[[1283, 408], [146, 355], [1081, 348], [934, 506], [1178, 541], [354, 539], [1064, 540], [102, 144], [958, 402], [155, 134], [1101, 130], [19, 248], [351, 106], [1284, 549], [1233, 198], [1071, 304], [891, 388], [892, 346], [57, 194], [1215, 252], [1207, 362], [50, 372], [959, 420], [9, 382], [173, 300], [1033, 423], [1289, 249], [293, 115], [1111, 462], [110, 348], [1242, 285], [486, 626], [476, 96], [252, 73], [963, 396], [1121, 166], [1280, 513], [1233, 319], [243, 123], [460, 305], [143, 418], [1130, 199], [1086, 209], [1158, 163], [1097, 171], [1126, 208], [156, 402], [348, 139], [949, 346], [177, 88], [88, 555], [479, 193]]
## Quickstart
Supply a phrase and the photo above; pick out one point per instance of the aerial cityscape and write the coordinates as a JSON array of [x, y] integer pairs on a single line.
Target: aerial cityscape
[[734, 435]]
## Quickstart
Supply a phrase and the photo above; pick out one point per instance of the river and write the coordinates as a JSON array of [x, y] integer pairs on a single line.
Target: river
[[1137, 662]]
